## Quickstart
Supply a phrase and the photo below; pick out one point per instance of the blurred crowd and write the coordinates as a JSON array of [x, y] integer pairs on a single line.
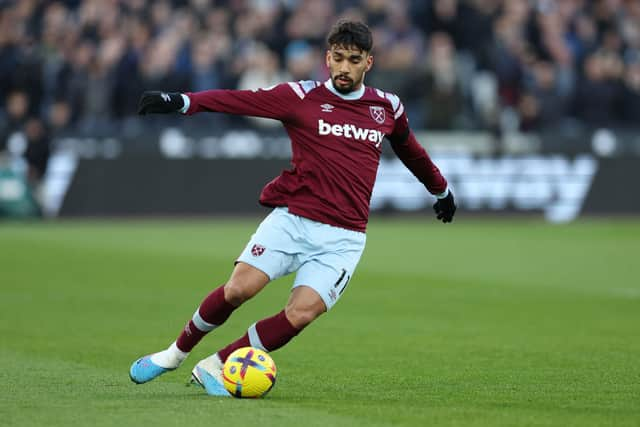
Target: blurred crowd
[[457, 64]]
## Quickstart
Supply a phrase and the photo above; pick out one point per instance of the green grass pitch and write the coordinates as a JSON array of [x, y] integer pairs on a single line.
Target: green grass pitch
[[477, 323]]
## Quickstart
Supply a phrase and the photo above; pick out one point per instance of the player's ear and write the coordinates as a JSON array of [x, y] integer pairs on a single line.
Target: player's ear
[[369, 62], [328, 58]]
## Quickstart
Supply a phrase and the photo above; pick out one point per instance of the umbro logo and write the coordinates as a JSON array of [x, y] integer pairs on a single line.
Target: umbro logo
[[327, 108]]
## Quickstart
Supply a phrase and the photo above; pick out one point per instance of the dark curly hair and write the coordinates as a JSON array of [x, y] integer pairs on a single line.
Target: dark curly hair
[[350, 34]]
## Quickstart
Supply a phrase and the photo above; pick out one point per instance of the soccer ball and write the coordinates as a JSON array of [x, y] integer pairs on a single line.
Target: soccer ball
[[249, 372]]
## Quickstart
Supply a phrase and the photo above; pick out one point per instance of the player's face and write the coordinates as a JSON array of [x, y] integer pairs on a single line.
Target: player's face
[[347, 67]]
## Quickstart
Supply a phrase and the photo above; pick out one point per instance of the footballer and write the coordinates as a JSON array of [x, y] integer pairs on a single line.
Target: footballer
[[320, 207]]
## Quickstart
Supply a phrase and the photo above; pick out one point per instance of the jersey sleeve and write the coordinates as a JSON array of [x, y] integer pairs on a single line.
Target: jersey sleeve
[[415, 157], [275, 102]]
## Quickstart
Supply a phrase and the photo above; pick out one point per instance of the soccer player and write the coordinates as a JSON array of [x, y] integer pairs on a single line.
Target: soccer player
[[320, 206]]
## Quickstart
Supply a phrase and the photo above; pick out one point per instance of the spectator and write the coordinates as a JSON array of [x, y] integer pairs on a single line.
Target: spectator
[[375, 12], [37, 151], [545, 97], [505, 56], [630, 94], [101, 81], [478, 17], [206, 73], [452, 18], [263, 70], [76, 79], [309, 20], [302, 62], [439, 85], [595, 99], [17, 109], [59, 117], [400, 47], [156, 67], [583, 38]]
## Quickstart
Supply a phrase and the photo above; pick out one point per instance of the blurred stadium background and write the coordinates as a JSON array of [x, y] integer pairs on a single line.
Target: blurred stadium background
[[527, 105]]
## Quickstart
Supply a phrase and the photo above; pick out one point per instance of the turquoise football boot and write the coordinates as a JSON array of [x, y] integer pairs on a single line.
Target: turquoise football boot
[[144, 370], [208, 375]]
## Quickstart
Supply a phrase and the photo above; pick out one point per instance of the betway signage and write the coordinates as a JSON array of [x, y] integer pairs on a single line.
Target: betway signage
[[558, 186], [554, 184]]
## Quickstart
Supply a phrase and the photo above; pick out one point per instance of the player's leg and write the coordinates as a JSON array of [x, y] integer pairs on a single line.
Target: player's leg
[[318, 285], [304, 306], [267, 256], [320, 281], [245, 282]]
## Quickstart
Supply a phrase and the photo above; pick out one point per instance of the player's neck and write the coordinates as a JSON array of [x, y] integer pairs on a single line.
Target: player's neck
[[351, 96]]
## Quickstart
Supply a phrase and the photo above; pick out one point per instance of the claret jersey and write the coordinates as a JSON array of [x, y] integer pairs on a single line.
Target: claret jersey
[[336, 143]]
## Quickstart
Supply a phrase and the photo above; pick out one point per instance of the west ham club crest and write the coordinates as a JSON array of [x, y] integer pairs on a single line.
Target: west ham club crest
[[377, 113], [257, 250]]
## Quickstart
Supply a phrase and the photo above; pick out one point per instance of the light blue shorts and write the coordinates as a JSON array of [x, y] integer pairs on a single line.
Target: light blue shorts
[[323, 255]]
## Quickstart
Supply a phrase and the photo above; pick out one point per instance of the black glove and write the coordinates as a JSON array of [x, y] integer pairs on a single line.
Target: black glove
[[445, 208], [154, 101]]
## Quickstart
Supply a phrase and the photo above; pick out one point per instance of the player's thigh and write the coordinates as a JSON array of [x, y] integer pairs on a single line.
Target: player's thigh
[[273, 246], [328, 274]]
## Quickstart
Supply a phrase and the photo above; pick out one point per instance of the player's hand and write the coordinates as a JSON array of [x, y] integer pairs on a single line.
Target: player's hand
[[160, 102], [445, 208]]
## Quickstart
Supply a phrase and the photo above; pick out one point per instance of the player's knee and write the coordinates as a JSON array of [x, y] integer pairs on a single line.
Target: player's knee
[[235, 293], [300, 317], [244, 283]]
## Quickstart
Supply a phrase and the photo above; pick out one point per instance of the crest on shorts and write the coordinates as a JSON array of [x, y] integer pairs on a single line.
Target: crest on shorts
[[257, 250], [377, 113]]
